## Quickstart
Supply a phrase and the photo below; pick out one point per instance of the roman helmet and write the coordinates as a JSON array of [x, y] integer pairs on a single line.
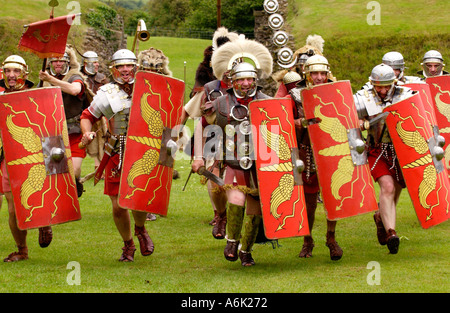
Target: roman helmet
[[122, 57], [383, 75], [395, 60], [432, 56], [244, 58], [291, 79], [16, 62], [88, 59], [65, 58], [316, 63]]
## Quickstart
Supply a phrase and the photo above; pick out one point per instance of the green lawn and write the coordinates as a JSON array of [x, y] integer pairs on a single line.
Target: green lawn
[[187, 259]]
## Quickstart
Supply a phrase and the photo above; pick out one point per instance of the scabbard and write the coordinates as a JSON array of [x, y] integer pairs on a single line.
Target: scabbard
[[109, 148]]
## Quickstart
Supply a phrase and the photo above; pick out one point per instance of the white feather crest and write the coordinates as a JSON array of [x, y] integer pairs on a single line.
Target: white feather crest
[[223, 32], [316, 41], [223, 58]]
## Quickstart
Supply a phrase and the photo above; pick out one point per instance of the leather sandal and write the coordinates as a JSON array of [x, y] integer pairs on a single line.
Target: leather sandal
[[128, 251], [381, 231], [45, 236], [246, 258], [231, 250], [20, 255], [219, 228], [335, 250], [307, 248], [145, 242], [393, 241]]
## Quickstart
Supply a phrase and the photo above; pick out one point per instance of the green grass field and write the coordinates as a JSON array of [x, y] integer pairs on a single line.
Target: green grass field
[[187, 259]]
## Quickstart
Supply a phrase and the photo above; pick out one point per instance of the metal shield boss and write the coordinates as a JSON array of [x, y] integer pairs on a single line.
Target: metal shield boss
[[38, 157], [420, 159], [151, 145], [440, 98], [278, 168], [339, 152]]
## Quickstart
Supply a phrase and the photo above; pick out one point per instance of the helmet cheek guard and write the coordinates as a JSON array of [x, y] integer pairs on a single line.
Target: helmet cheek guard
[[122, 57], [16, 62]]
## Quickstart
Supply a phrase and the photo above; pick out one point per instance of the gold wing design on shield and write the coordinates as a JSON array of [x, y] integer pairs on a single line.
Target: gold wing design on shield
[[412, 139], [415, 140], [152, 117], [331, 126], [283, 192], [427, 185], [276, 142], [149, 160], [443, 108], [338, 132], [24, 135], [32, 143], [342, 175]]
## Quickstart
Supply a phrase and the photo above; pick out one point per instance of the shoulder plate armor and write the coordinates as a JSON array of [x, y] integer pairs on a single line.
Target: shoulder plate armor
[[109, 100]]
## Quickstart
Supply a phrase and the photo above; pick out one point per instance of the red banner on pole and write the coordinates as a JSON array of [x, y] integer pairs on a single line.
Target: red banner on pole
[[47, 38]]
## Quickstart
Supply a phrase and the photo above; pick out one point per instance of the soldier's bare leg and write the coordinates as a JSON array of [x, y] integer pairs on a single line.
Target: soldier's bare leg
[[219, 202], [308, 242], [389, 194], [20, 236], [121, 219]]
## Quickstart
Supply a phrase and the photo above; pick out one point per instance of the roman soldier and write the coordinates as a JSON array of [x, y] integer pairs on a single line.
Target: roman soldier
[[65, 72], [154, 60], [395, 60], [95, 79], [432, 64], [208, 88], [15, 72], [317, 71], [240, 182], [314, 46], [381, 154], [113, 101]]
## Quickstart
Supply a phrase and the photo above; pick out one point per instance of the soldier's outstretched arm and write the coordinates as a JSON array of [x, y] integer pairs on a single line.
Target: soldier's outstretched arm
[[198, 148], [71, 88], [86, 127]]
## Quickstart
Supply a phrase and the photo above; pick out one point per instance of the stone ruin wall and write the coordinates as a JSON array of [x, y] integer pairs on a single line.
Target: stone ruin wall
[[105, 48], [264, 34]]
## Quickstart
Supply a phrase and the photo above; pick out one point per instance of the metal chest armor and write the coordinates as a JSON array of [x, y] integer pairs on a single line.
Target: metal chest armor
[[369, 105], [113, 103], [233, 118]]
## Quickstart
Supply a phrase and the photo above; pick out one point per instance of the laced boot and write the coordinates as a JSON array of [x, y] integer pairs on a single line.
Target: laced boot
[[20, 255], [251, 227], [381, 231], [128, 251], [219, 228], [392, 241], [308, 245], [335, 251], [235, 216], [145, 242], [45, 236]]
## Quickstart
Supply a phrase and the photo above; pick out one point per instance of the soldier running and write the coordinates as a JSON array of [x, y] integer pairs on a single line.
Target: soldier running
[[113, 101]]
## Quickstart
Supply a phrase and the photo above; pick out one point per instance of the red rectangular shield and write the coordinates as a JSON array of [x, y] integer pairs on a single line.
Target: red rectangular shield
[[440, 97], [344, 175], [425, 176], [148, 161], [38, 157], [280, 191]]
